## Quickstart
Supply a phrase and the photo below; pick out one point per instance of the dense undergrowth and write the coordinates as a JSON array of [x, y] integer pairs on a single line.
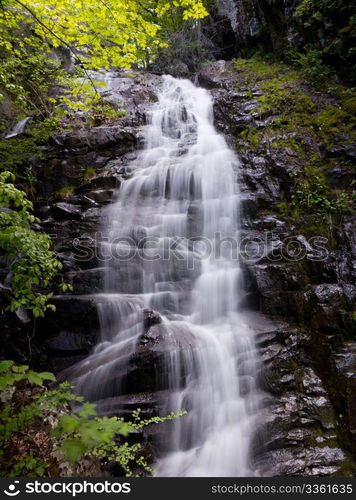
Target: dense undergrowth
[[42, 435]]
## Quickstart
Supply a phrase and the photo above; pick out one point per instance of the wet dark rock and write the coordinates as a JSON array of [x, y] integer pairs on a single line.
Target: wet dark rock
[[195, 220], [150, 318], [98, 138], [343, 150], [86, 281], [273, 26], [101, 195], [100, 182], [68, 333], [88, 202], [212, 75], [339, 178], [300, 423], [63, 210], [327, 306], [68, 343], [77, 311], [148, 402]]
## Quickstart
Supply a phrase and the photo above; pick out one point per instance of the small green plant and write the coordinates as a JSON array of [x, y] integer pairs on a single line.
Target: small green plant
[[65, 287], [312, 193], [65, 192], [11, 374], [103, 112], [253, 136], [311, 66], [89, 173], [86, 433], [316, 8]]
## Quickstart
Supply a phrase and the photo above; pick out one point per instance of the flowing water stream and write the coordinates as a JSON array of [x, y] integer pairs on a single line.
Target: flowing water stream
[[164, 233]]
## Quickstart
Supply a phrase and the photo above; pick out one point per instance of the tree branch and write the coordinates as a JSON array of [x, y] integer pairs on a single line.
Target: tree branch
[[77, 58]]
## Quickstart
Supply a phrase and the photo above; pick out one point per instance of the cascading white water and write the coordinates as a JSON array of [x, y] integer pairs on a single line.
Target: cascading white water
[[180, 202]]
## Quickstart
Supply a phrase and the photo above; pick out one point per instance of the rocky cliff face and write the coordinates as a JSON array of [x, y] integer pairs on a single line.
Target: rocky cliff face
[[270, 23], [302, 306], [308, 360], [280, 25]]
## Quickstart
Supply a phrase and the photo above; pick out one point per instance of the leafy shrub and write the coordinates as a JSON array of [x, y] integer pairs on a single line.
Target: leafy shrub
[[311, 66], [29, 412], [34, 265], [312, 193], [316, 8]]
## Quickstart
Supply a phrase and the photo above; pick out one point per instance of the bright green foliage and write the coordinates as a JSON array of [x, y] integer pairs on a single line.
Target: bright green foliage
[[26, 76], [74, 434], [84, 434], [124, 454], [34, 37], [105, 32], [104, 112], [17, 419], [34, 265]]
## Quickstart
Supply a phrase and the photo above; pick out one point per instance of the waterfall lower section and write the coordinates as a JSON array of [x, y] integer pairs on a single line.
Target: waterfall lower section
[[173, 282]]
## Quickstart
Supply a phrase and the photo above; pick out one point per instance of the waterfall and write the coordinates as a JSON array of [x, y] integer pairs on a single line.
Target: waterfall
[[18, 128], [172, 236]]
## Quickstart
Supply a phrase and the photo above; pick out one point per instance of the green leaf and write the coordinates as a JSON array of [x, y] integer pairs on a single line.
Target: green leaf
[[20, 368], [48, 376], [87, 410], [69, 423], [73, 449], [5, 365], [38, 378], [5, 380]]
